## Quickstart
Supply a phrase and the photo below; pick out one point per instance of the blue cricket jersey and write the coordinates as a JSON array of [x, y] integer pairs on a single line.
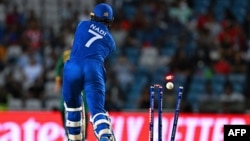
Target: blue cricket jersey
[[85, 68], [92, 41]]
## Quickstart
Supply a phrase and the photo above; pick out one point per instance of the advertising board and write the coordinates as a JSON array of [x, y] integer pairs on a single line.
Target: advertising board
[[128, 126]]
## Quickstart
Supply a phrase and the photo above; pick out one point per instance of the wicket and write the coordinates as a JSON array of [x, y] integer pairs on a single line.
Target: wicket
[[151, 111], [156, 88], [176, 114]]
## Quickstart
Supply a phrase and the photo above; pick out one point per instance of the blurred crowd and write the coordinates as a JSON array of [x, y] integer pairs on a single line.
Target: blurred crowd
[[204, 44]]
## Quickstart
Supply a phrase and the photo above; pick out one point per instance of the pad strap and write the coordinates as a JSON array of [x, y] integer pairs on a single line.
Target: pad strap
[[73, 123], [75, 137], [103, 131], [100, 122], [105, 114], [72, 109]]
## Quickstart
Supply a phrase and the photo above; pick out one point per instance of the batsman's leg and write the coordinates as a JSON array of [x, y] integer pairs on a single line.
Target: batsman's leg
[[74, 122], [72, 88], [83, 120], [102, 127], [99, 117], [94, 87]]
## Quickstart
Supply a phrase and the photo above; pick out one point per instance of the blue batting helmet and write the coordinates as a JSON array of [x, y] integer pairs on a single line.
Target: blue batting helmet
[[102, 13]]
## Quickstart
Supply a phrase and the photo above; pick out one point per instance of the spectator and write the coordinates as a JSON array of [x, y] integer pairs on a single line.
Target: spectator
[[67, 11], [111, 105], [212, 25], [124, 71], [84, 14], [238, 64], [181, 64], [222, 66], [32, 36], [231, 101], [31, 16], [208, 100], [36, 90], [24, 58], [32, 72], [118, 31], [204, 47], [144, 99], [13, 86], [12, 35], [232, 37], [14, 17], [229, 95], [208, 94], [148, 58], [181, 11], [115, 92]]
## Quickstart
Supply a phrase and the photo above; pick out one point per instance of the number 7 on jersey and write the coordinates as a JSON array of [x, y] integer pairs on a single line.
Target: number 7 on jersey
[[95, 37]]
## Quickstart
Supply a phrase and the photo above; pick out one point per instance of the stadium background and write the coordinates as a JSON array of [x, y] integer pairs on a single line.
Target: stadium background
[[203, 43]]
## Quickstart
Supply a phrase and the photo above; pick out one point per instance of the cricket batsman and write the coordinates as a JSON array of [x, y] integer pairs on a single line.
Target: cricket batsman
[[85, 71]]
